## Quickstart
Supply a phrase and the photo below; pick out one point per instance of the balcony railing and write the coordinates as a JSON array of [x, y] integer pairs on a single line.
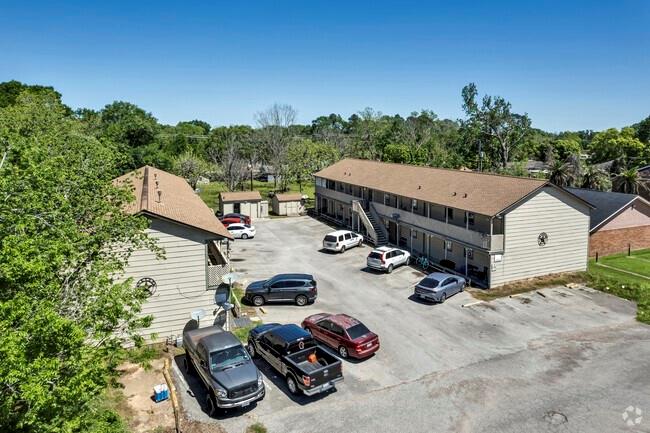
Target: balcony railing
[[481, 240], [215, 272]]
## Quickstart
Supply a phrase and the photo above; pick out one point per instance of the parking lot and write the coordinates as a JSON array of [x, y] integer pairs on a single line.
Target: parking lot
[[565, 360]]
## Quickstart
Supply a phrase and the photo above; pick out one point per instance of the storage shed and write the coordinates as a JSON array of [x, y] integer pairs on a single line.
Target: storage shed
[[290, 204], [244, 202]]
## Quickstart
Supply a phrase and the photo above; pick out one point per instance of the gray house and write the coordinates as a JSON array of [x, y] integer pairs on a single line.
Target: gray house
[[195, 246], [492, 229]]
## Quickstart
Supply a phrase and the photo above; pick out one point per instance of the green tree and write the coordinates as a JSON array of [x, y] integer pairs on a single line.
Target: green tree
[[596, 178], [190, 167], [501, 131], [613, 144], [63, 315], [629, 181], [560, 173], [131, 128], [305, 157]]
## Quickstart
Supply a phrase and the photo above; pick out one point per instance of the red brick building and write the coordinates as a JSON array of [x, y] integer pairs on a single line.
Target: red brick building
[[618, 222]]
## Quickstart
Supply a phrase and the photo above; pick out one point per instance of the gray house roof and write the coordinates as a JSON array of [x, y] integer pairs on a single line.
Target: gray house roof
[[607, 204]]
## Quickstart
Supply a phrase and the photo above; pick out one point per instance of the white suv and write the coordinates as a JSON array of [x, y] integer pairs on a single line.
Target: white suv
[[387, 258], [341, 240]]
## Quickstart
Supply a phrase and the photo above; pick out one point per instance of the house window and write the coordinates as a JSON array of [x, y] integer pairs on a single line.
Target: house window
[[450, 213], [448, 246]]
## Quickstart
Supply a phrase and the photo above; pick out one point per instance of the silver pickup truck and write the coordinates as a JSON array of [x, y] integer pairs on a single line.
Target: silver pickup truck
[[224, 366]]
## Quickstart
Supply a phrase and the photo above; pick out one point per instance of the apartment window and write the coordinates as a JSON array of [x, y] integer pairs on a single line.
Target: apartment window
[[448, 246], [450, 213]]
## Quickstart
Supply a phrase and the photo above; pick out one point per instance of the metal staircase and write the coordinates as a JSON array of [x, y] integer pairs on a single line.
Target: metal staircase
[[373, 227]]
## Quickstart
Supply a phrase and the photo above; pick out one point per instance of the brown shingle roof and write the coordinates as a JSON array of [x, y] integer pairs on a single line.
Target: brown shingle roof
[[240, 196], [165, 195], [482, 193], [291, 196]]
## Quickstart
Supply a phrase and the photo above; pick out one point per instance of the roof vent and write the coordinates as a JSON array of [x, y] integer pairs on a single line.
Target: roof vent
[[157, 183], [159, 195], [419, 186], [465, 195], [453, 193]]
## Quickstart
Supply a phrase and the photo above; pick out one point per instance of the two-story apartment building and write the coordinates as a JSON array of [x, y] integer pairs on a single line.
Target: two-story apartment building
[[493, 229], [193, 241]]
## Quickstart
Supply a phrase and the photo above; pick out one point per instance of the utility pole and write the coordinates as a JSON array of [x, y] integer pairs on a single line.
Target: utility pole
[[250, 167], [480, 156]]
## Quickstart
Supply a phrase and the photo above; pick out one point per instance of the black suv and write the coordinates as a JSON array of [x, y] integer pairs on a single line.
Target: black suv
[[298, 288]]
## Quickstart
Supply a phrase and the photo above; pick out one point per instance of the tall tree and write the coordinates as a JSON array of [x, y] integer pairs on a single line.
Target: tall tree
[[629, 181], [190, 167], [63, 315], [274, 135], [596, 178], [613, 144], [501, 131]]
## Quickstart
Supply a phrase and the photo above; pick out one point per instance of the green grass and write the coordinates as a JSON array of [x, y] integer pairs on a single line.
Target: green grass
[[242, 333], [622, 284], [638, 262], [210, 192], [258, 427]]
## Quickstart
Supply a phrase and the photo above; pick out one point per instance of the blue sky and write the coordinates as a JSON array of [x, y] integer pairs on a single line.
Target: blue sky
[[568, 64]]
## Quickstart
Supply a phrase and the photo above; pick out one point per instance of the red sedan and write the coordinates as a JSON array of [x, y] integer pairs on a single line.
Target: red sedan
[[235, 218], [344, 333]]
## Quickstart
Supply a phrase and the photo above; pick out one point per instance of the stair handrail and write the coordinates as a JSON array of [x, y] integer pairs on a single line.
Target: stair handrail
[[375, 214], [356, 207]]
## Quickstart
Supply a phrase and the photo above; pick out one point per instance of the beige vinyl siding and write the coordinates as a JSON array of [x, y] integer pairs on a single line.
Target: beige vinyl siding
[[180, 277], [566, 222]]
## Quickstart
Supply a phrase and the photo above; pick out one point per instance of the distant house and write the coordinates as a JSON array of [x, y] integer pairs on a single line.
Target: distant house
[[245, 202], [194, 243], [291, 204], [489, 228], [644, 174], [618, 222]]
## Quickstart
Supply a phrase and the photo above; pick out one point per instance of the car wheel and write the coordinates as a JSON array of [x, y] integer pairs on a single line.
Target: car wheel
[[443, 297], [244, 236], [389, 269], [258, 301], [408, 261], [292, 385], [187, 365], [301, 300], [212, 405], [251, 349], [462, 287], [343, 249], [343, 351], [360, 242]]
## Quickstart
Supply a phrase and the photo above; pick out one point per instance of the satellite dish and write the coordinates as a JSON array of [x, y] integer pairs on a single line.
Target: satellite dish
[[230, 278], [197, 314]]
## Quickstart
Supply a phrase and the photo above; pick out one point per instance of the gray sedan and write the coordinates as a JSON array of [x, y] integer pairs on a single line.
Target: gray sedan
[[438, 286]]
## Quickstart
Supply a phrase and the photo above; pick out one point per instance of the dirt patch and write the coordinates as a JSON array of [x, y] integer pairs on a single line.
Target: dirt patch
[[201, 427], [528, 285], [143, 414]]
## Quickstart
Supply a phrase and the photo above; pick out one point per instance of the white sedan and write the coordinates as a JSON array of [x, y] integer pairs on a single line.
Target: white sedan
[[241, 231]]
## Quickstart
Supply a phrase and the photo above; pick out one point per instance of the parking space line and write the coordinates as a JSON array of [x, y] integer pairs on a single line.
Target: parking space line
[[179, 374]]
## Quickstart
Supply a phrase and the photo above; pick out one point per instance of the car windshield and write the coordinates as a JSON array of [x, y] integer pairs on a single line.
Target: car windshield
[[429, 283], [358, 330], [247, 226], [374, 255], [227, 358], [330, 238]]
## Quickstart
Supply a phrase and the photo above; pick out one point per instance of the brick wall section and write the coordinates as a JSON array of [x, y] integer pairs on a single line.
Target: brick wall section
[[616, 241]]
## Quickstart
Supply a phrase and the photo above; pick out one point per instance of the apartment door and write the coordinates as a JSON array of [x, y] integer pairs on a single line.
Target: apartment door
[[392, 232]]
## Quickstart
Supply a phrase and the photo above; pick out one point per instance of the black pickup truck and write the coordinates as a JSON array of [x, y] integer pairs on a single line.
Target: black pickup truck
[[224, 366], [294, 353]]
